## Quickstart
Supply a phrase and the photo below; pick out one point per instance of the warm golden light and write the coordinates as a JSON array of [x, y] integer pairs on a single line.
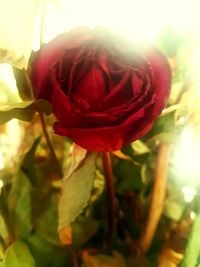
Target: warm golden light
[[16, 24], [140, 20], [192, 215], [188, 193], [187, 157], [6, 75], [1, 184], [10, 136], [2, 165]]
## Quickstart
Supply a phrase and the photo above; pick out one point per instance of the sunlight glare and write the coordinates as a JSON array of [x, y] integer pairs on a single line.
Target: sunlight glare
[[6, 75], [187, 155], [2, 165], [1, 185], [192, 215], [141, 20], [188, 193]]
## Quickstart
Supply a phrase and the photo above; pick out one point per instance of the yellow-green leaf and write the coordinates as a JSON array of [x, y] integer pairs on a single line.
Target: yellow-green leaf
[[139, 147], [24, 110], [18, 255], [76, 190], [20, 205]]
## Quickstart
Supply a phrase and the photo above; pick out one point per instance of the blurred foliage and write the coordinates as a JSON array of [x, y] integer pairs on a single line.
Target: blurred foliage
[[55, 223]]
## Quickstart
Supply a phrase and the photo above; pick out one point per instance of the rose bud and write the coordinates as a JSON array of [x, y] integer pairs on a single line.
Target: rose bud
[[105, 91]]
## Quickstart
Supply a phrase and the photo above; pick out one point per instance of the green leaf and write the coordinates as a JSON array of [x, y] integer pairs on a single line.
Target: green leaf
[[18, 255], [78, 155], [164, 137], [128, 176], [25, 110], [47, 223], [28, 163], [76, 190], [116, 260], [83, 229], [4, 233], [22, 83], [46, 254], [20, 205], [146, 175], [174, 205], [164, 123], [170, 109], [98, 186], [1, 254], [140, 147], [174, 208]]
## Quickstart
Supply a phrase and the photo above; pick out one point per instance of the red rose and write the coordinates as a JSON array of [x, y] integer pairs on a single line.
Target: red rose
[[104, 91]]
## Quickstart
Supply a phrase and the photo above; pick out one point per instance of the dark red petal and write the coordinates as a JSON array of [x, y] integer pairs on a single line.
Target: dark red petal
[[49, 53], [106, 138], [161, 78], [91, 88]]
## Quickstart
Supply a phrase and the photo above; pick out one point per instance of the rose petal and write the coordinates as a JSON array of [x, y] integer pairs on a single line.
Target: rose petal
[[103, 98]]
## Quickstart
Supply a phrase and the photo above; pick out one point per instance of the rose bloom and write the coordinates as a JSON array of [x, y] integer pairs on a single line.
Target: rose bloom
[[105, 91]]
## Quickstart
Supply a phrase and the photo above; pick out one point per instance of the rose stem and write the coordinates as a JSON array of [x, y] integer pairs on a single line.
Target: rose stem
[[74, 256], [110, 192], [158, 196], [54, 161]]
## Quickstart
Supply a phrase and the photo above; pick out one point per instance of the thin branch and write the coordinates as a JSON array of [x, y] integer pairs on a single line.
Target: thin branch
[[74, 256], [107, 165], [29, 85], [54, 161], [57, 171], [158, 196]]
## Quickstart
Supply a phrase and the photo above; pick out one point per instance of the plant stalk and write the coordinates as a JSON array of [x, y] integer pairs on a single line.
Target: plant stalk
[[57, 171], [110, 192], [158, 196], [192, 252]]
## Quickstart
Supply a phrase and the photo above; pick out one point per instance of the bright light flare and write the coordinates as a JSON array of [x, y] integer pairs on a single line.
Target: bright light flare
[[11, 134], [2, 165], [188, 193], [10, 142], [192, 215], [141, 20], [6, 75], [1, 185], [187, 157]]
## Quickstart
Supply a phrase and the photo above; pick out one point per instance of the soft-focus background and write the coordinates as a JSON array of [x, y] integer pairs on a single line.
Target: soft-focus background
[[174, 26]]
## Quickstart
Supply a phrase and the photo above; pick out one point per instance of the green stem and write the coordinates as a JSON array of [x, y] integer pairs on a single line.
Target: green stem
[[54, 161], [30, 87], [107, 165], [56, 169], [192, 252]]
